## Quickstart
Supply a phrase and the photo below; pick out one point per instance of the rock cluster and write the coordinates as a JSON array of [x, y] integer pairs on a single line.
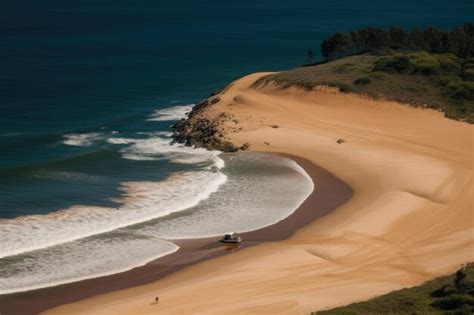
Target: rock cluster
[[202, 132]]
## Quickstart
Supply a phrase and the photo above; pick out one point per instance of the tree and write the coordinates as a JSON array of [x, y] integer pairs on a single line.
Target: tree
[[459, 41], [336, 46], [433, 38], [356, 41], [468, 28], [398, 37], [377, 38], [459, 280], [309, 56], [416, 40]]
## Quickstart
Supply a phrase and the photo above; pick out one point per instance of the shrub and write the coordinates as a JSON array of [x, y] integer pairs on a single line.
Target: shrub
[[444, 81], [379, 75], [461, 90], [449, 63], [468, 62], [345, 88], [397, 63], [362, 81], [459, 280], [425, 64], [420, 62], [453, 302], [467, 72], [442, 292]]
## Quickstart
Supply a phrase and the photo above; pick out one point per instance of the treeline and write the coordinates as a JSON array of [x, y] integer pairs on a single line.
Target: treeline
[[458, 41]]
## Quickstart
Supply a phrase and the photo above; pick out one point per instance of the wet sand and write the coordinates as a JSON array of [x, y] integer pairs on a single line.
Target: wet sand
[[329, 193]]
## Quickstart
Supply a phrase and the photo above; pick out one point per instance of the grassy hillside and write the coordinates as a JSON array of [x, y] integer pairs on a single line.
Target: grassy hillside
[[446, 295], [441, 81]]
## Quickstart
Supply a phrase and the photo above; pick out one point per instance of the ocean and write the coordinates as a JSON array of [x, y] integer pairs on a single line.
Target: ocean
[[89, 184]]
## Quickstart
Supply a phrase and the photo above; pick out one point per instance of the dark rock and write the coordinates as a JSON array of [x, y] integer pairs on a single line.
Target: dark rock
[[245, 146], [215, 100], [202, 132], [227, 147], [340, 140], [266, 143], [216, 92]]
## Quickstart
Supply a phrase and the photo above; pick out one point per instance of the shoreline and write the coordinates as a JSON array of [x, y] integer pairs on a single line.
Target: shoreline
[[328, 194]]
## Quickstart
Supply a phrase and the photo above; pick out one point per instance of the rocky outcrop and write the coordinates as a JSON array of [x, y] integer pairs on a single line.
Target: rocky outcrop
[[202, 132]]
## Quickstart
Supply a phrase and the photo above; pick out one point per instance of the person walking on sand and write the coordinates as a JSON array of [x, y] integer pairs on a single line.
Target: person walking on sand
[[156, 300]]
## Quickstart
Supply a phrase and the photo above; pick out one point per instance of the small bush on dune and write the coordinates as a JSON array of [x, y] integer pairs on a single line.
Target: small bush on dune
[[397, 63], [362, 81], [461, 90], [344, 88], [468, 62], [467, 72], [425, 65], [415, 63], [453, 302], [379, 75], [445, 290], [449, 63], [344, 68], [444, 81]]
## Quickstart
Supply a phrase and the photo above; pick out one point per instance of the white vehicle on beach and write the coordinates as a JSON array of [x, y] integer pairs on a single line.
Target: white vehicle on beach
[[232, 238]]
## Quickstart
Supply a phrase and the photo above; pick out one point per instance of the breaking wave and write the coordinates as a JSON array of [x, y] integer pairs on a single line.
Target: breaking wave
[[142, 201], [171, 113], [82, 139]]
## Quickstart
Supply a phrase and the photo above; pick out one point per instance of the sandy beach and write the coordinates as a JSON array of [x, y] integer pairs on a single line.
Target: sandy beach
[[409, 220]]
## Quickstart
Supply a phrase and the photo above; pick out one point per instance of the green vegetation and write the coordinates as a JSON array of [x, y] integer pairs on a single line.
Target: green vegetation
[[441, 81], [458, 41], [430, 68], [453, 295]]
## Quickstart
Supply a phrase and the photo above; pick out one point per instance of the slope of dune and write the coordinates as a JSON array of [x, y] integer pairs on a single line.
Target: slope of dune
[[410, 218]]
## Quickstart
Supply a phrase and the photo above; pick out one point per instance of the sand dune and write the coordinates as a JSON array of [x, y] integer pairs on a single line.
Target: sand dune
[[410, 218]]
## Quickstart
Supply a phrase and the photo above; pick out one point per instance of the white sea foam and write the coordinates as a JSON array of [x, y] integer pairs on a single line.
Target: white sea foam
[[83, 259], [142, 201], [246, 202], [171, 113], [158, 148], [120, 141], [82, 139]]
